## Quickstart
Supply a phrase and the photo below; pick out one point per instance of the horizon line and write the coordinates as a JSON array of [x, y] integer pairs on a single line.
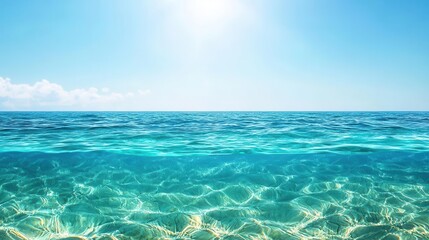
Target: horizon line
[[5, 111]]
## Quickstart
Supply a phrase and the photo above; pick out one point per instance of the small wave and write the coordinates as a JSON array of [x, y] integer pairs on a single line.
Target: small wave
[[175, 133]]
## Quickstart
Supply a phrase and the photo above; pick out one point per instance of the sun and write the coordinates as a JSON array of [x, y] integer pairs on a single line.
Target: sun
[[209, 11], [213, 16], [203, 20]]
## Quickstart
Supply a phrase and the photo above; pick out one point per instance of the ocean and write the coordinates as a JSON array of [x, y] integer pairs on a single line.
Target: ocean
[[214, 175]]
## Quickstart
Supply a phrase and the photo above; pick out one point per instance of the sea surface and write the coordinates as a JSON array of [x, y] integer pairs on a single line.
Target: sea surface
[[214, 175]]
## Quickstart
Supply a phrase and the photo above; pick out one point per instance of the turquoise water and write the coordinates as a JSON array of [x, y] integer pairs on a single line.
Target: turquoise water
[[243, 175]]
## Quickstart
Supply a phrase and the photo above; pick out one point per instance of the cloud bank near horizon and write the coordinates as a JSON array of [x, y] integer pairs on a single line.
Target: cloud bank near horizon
[[46, 95]]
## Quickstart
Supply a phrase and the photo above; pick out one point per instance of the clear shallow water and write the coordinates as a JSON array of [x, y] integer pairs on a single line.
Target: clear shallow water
[[214, 175]]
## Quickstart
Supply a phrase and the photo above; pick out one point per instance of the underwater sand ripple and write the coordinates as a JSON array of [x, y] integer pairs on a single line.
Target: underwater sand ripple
[[111, 196]]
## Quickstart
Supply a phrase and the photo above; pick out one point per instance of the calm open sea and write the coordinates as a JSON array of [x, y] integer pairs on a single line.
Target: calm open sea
[[214, 175]]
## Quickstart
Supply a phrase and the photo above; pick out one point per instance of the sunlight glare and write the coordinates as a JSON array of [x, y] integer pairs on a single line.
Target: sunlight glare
[[211, 15]]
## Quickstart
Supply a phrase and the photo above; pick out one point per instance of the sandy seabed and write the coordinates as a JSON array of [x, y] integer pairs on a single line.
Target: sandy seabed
[[100, 195]]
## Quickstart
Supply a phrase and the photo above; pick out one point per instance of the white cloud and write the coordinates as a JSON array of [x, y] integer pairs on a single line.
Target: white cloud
[[47, 95]]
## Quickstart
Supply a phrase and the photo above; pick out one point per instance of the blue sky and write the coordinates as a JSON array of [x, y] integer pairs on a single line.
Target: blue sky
[[214, 55]]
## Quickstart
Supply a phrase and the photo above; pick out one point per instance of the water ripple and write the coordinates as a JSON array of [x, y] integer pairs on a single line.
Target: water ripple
[[214, 133], [101, 195]]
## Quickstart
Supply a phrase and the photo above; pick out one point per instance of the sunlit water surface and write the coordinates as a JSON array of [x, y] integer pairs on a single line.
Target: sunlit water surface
[[214, 175]]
